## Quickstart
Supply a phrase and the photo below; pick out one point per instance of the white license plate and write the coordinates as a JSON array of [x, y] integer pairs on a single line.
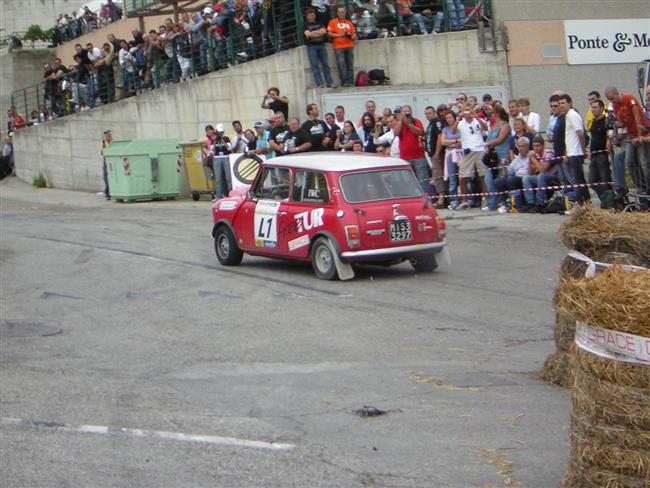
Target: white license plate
[[400, 230]]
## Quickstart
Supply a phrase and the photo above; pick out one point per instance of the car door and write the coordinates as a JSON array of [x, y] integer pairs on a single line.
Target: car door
[[306, 212], [257, 228]]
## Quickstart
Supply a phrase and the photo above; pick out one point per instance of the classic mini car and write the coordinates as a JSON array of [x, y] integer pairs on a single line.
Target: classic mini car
[[333, 209]]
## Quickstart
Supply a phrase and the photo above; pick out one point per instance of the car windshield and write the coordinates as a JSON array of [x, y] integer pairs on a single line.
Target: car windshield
[[387, 184]]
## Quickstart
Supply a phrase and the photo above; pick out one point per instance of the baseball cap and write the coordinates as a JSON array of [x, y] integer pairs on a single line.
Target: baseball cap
[[398, 108], [220, 128], [207, 11], [487, 96], [107, 131], [258, 124], [440, 107]]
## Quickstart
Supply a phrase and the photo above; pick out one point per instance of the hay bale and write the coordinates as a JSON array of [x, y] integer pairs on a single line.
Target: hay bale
[[597, 232], [610, 422], [557, 369]]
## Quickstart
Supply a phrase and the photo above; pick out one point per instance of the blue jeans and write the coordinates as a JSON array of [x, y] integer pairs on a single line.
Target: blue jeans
[[618, 169], [318, 53], [107, 192], [221, 166], [541, 180], [452, 171], [507, 183], [491, 187], [456, 10], [576, 176], [345, 63], [415, 22], [421, 169]]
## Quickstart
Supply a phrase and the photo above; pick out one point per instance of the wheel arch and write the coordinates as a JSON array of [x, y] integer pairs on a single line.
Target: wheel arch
[[220, 223]]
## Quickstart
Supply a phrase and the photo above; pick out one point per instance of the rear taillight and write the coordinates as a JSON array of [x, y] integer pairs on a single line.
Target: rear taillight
[[352, 235], [442, 228]]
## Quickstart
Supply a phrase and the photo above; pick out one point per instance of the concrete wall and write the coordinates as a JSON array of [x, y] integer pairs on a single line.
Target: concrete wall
[[20, 69], [66, 151], [18, 15], [569, 9]]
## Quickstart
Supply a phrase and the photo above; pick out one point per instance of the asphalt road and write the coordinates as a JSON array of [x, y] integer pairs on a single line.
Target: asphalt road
[[170, 370]]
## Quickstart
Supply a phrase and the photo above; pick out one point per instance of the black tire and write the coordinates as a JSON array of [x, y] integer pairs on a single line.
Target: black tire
[[228, 252], [195, 196], [322, 260], [425, 263]]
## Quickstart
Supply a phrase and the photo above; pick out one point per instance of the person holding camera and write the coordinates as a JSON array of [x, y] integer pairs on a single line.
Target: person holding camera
[[274, 102], [343, 34], [410, 130], [470, 128], [220, 153]]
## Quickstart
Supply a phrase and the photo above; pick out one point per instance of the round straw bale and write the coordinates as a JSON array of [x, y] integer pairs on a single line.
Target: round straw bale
[[595, 232], [628, 462], [565, 331], [557, 369], [615, 299], [623, 437], [587, 476]]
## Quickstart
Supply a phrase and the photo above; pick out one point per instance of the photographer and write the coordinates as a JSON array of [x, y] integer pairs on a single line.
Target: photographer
[[273, 101], [220, 151], [410, 129], [470, 128], [343, 34]]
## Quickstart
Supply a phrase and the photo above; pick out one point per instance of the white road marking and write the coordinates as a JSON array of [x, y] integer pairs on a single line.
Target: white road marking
[[156, 434]]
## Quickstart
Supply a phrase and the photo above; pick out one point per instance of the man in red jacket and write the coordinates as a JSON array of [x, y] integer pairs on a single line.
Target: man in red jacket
[[410, 131]]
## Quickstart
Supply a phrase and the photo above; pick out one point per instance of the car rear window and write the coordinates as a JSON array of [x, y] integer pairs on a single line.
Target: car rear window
[[387, 184]]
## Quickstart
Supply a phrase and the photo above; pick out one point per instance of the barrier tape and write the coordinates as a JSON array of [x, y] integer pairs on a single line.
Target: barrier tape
[[610, 344], [501, 166], [505, 192], [592, 266]]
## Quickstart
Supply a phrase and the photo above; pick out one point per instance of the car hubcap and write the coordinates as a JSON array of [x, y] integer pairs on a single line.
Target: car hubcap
[[324, 259], [224, 246]]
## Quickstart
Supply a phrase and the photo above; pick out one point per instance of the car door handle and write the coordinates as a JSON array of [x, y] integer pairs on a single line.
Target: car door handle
[[283, 214]]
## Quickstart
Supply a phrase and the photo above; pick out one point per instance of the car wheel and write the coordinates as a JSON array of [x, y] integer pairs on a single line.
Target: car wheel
[[228, 253], [425, 263], [322, 260]]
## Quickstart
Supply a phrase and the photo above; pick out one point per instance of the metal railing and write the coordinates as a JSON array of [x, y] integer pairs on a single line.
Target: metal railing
[[230, 41]]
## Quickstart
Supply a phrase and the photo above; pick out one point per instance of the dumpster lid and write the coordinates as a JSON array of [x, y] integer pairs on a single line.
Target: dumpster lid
[[138, 147]]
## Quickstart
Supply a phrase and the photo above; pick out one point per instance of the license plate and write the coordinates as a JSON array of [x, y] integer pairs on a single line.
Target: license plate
[[400, 230]]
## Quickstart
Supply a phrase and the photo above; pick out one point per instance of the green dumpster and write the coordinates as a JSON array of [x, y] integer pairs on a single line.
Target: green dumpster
[[143, 169]]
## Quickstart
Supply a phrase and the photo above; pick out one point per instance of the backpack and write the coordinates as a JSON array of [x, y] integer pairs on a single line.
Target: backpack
[[555, 206], [362, 78], [378, 77]]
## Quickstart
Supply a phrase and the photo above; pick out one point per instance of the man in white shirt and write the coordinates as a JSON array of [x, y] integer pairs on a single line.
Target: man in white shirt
[[339, 112], [574, 157], [513, 111], [470, 128], [382, 139], [532, 119]]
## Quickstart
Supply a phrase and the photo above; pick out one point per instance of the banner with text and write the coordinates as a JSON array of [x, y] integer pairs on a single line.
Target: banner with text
[[607, 41]]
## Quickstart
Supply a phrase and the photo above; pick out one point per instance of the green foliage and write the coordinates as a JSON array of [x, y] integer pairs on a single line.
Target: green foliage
[[39, 181], [35, 33]]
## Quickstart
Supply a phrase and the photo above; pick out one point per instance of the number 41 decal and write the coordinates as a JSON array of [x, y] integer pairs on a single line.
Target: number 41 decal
[[265, 223]]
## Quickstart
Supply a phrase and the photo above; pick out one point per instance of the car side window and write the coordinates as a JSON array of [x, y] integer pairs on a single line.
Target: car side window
[[273, 184], [310, 187]]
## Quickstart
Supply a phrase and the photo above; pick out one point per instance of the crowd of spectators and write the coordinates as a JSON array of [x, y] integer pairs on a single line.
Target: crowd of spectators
[[230, 32], [470, 153], [83, 21]]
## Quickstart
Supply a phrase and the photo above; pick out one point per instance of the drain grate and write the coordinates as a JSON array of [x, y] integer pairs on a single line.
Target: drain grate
[[27, 329]]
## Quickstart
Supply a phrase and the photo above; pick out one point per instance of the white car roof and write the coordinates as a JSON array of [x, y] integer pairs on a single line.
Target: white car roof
[[335, 161]]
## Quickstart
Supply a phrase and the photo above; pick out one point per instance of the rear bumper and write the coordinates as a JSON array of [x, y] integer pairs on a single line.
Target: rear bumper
[[393, 252]]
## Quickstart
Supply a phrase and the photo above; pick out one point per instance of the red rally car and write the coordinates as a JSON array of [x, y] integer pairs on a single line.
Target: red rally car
[[333, 209]]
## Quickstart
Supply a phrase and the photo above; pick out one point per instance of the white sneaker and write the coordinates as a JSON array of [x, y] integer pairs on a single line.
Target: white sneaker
[[485, 208], [100, 193], [502, 209]]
